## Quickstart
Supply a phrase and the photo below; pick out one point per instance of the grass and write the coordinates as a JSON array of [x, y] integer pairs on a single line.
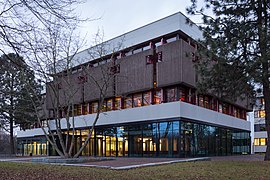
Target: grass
[[192, 170]]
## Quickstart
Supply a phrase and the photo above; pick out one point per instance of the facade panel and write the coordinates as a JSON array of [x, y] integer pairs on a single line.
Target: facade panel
[[135, 74], [169, 70], [98, 79]]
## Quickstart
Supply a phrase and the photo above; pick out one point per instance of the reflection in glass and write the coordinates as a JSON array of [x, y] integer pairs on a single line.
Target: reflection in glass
[[158, 97], [137, 100], [128, 102], [147, 98], [117, 103], [94, 107]]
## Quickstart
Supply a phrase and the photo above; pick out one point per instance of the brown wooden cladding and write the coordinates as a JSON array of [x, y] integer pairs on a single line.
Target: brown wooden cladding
[[74, 90], [135, 75], [188, 70], [176, 66], [67, 90], [98, 76]]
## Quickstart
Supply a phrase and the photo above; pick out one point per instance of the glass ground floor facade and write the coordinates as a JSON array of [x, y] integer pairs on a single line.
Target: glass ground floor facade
[[168, 138]]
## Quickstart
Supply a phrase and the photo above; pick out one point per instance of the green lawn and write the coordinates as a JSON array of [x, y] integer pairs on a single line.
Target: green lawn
[[192, 170]]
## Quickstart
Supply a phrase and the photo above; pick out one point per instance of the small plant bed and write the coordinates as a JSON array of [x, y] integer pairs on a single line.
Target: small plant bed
[[70, 160]]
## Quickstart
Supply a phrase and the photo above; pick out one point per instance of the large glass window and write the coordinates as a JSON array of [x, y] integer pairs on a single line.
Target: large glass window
[[241, 142], [165, 141], [122, 139], [186, 139], [110, 142], [149, 139], [135, 140]]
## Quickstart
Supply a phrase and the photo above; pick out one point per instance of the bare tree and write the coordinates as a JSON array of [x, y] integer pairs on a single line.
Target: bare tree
[[43, 32], [20, 18], [67, 73]]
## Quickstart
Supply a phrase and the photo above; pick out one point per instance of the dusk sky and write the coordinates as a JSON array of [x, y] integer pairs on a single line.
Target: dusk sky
[[120, 16]]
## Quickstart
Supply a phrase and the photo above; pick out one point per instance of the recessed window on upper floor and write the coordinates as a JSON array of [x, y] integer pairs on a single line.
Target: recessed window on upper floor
[[259, 114], [260, 141], [259, 127]]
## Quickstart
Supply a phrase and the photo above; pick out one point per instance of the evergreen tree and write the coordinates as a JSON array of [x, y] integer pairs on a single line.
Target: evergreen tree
[[236, 44], [15, 95]]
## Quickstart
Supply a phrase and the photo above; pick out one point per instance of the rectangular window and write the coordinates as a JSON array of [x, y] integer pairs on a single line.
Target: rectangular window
[[260, 141], [262, 101], [147, 98], [170, 94], [85, 109], [237, 112], [79, 109], [94, 107], [109, 104], [220, 107], [182, 94], [259, 127], [201, 101], [104, 106], [256, 141], [137, 50], [225, 108], [206, 102], [128, 102], [117, 103], [263, 141], [137, 100], [192, 97], [171, 39], [158, 97], [75, 110], [214, 104], [243, 114], [259, 114]]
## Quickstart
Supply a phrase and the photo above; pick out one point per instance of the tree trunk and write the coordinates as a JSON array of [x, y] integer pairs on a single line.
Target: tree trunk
[[11, 138]]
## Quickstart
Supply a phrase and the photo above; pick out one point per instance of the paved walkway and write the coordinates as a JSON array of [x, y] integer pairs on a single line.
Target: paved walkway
[[124, 163], [252, 157]]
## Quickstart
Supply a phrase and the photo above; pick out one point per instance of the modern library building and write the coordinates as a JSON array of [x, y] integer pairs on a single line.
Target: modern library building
[[152, 107]]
